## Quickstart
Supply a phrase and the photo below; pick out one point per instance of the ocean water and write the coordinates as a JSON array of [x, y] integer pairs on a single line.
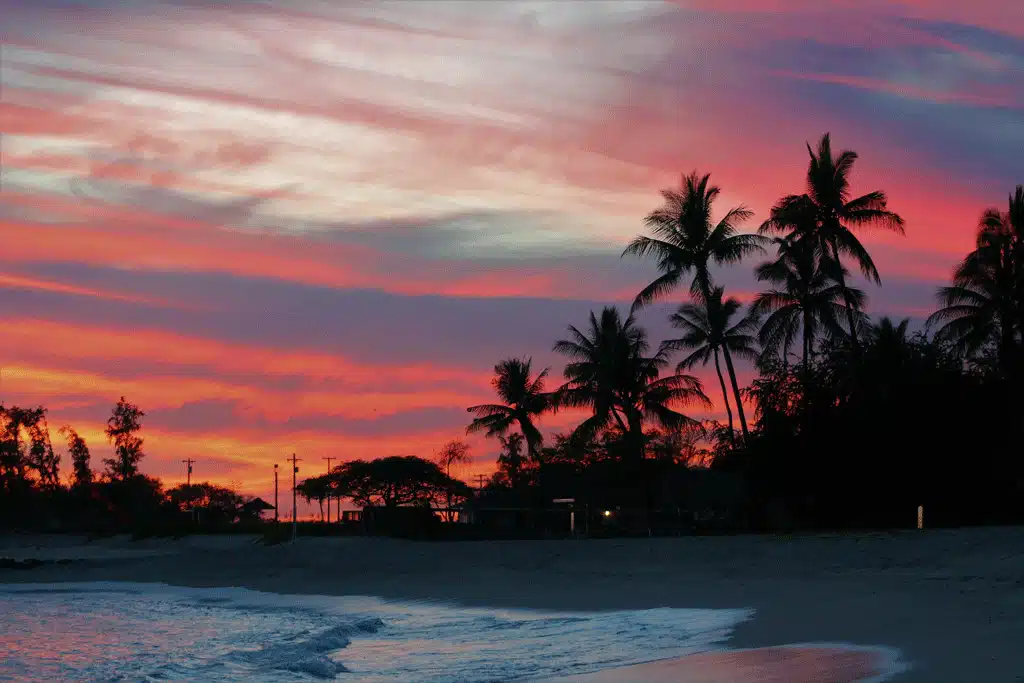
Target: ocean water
[[151, 632]]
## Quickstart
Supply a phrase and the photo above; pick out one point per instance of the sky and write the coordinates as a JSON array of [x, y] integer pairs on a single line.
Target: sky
[[315, 226]]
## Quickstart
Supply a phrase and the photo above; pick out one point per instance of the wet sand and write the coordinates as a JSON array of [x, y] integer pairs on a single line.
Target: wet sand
[[951, 602], [761, 665]]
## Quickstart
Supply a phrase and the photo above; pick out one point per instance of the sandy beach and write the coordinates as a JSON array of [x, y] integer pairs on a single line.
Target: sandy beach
[[951, 602]]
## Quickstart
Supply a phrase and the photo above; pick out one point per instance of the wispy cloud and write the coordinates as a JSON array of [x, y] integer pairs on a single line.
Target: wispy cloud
[[317, 226]]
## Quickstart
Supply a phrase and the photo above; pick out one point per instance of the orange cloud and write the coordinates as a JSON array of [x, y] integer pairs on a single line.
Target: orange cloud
[[46, 338]]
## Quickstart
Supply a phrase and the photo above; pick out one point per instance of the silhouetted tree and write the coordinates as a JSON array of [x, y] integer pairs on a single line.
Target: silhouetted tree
[[609, 372], [523, 401], [133, 502], [123, 432], [805, 300], [835, 216], [41, 456], [25, 448], [708, 329], [214, 503], [512, 463], [687, 447], [985, 303], [315, 488], [396, 481], [684, 239], [454, 452], [81, 474]]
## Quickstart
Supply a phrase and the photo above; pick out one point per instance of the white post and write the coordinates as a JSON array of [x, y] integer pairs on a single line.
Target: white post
[[572, 522], [920, 516]]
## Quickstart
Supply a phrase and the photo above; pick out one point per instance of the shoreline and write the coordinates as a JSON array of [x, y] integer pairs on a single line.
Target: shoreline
[[711, 660], [796, 663], [949, 601]]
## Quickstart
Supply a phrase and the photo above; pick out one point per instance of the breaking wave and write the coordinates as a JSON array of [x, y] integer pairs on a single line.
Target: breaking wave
[[118, 631]]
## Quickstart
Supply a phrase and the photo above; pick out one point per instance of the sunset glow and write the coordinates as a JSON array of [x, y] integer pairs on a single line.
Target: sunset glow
[[315, 231]]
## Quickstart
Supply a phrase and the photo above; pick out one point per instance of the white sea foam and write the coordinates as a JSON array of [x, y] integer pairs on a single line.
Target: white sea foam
[[122, 631]]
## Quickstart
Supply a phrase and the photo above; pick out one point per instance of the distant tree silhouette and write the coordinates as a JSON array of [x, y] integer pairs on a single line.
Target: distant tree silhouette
[[889, 333], [397, 481], [609, 372], [523, 401], [41, 456], [512, 463], [684, 239], [805, 300], [81, 474], [454, 452], [214, 503], [122, 431], [25, 448], [708, 329], [689, 446], [135, 501], [835, 216], [315, 488], [13, 467]]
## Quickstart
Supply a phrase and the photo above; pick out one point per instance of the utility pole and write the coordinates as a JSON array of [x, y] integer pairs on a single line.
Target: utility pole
[[329, 459], [275, 492], [295, 506], [480, 482], [188, 485], [188, 472]]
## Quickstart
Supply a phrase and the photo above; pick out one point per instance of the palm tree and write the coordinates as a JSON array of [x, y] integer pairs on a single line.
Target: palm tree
[[685, 240], [985, 302], [523, 400], [454, 452], [834, 216], [974, 314], [889, 332], [807, 299], [707, 330], [610, 372]]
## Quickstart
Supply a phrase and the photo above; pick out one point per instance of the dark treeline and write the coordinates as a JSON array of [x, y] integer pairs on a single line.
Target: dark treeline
[[118, 498], [847, 421], [856, 422]]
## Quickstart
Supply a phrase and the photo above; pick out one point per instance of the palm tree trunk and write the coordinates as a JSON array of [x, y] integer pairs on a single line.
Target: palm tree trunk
[[618, 418], [1007, 344], [725, 396], [736, 391], [841, 279], [807, 345], [636, 434], [447, 516]]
